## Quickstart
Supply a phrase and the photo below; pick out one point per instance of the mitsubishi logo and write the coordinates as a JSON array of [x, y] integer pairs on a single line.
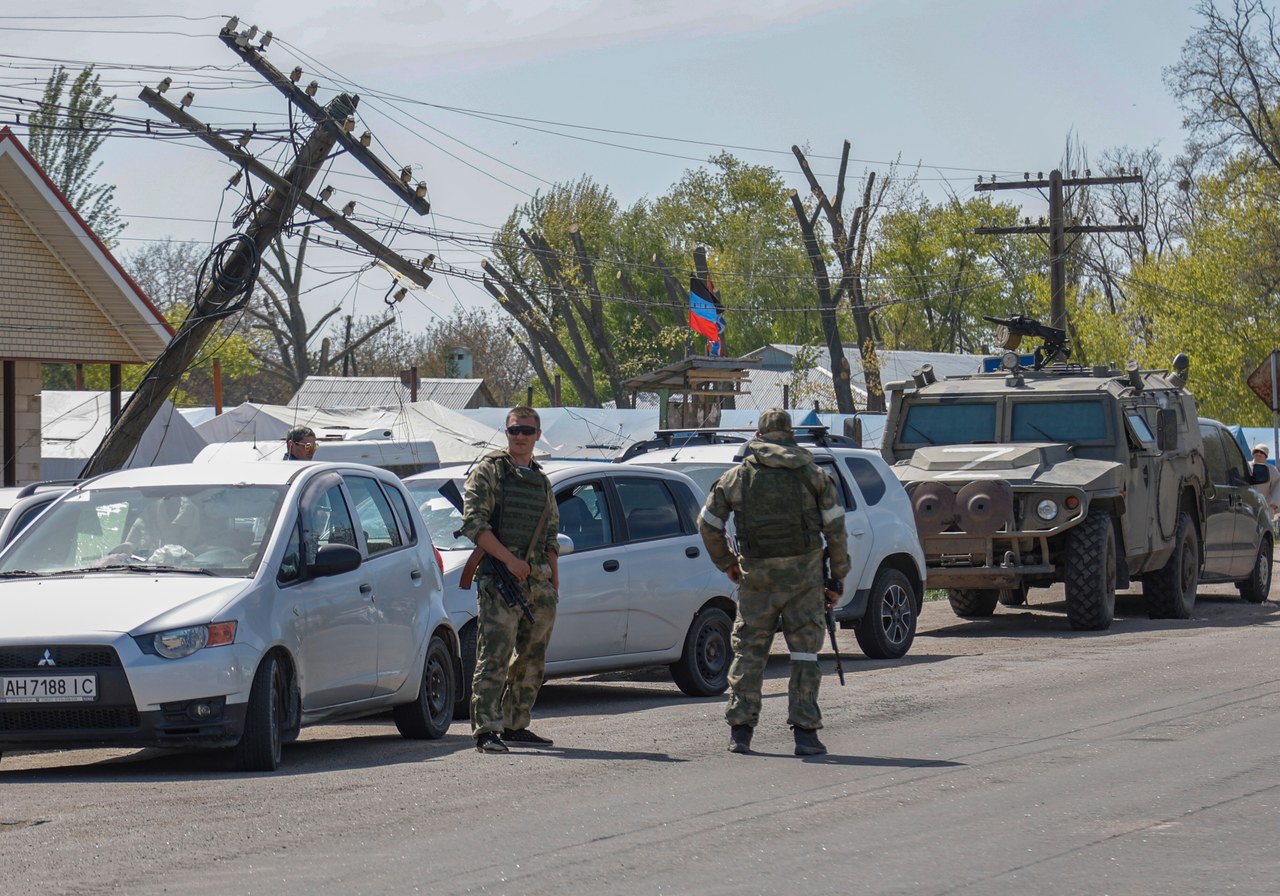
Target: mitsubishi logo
[[46, 660]]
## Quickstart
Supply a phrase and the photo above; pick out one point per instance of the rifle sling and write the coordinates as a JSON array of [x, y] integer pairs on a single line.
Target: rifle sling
[[477, 554]]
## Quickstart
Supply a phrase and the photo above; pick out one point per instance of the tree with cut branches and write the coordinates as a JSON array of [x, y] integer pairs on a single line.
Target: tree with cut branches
[[848, 244]]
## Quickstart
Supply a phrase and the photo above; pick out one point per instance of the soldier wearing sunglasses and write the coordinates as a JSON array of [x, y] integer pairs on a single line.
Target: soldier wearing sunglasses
[[510, 512]]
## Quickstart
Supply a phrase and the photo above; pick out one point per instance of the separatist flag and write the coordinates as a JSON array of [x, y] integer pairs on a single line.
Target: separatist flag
[[706, 314]]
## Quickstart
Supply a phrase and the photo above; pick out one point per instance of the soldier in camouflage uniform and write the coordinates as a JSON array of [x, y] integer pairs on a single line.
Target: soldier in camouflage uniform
[[506, 495], [783, 506]]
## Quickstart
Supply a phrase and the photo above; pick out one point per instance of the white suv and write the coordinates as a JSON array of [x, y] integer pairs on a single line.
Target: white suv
[[884, 591], [223, 605]]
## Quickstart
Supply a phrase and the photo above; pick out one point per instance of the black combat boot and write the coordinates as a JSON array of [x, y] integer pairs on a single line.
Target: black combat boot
[[807, 743], [740, 738]]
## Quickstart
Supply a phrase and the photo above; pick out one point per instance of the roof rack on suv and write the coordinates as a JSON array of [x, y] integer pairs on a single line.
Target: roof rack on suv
[[813, 433]]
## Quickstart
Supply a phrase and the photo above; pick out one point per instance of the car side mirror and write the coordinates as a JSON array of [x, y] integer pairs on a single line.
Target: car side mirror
[[1261, 474], [333, 559], [565, 542], [1167, 429]]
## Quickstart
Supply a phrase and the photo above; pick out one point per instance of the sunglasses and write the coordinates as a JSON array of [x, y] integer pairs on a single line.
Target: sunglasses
[[521, 430]]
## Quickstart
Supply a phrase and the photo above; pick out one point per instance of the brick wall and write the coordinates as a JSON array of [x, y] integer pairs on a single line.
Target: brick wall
[[27, 420]]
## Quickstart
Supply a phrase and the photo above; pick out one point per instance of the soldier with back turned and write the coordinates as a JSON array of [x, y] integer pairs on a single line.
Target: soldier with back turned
[[783, 508]]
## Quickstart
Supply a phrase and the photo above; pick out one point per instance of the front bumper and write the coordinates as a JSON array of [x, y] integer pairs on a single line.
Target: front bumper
[[190, 707]]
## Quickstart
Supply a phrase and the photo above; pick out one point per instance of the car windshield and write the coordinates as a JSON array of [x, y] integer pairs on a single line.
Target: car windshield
[[442, 518], [218, 529], [1058, 421], [949, 424]]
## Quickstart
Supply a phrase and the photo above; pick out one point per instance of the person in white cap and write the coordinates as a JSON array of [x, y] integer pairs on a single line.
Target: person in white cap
[[1271, 488]]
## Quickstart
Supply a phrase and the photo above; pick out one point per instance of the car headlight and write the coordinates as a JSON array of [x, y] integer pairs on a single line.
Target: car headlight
[[1047, 510], [179, 642]]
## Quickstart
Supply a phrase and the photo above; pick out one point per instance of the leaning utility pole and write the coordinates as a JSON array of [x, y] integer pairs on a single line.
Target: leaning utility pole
[[232, 277], [1057, 227]]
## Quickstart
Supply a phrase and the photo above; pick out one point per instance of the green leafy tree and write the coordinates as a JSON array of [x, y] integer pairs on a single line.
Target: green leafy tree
[[65, 134], [1217, 298], [935, 278]]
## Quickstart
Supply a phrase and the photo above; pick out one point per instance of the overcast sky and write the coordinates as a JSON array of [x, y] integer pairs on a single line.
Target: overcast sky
[[491, 100]]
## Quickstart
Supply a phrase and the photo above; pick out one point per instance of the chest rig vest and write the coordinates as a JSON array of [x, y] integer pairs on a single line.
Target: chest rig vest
[[520, 506], [767, 525]]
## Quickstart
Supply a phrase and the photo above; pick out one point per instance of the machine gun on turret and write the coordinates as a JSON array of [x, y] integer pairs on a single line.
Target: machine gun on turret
[[1010, 330]]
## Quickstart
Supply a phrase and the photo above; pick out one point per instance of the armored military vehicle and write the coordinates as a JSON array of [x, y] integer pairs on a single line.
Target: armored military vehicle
[[1041, 471]]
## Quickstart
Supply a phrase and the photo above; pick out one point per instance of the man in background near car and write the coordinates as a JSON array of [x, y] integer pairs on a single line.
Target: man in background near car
[[510, 512], [783, 507], [300, 443]]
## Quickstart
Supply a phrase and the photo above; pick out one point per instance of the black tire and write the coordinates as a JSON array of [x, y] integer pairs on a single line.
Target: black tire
[[703, 668], [260, 745], [973, 603], [1013, 597], [888, 628], [1256, 588], [1170, 592], [1090, 580], [428, 716], [467, 646]]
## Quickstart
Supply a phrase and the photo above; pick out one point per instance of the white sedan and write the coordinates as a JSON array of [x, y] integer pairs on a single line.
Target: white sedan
[[223, 605], [636, 585]]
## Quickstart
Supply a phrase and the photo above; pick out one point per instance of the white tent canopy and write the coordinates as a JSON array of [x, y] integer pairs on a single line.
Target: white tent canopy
[[458, 438], [73, 425]]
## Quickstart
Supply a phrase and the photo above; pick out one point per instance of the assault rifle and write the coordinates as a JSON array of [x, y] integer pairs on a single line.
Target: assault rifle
[[831, 584], [505, 582]]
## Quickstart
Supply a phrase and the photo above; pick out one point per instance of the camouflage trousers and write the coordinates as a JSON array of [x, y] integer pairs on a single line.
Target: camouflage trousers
[[789, 587], [511, 656]]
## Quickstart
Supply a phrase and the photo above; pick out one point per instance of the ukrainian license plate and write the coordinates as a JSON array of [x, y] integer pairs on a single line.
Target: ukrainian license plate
[[48, 688]]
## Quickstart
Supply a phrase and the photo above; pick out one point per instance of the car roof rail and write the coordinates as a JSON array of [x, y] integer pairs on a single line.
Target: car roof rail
[[32, 487], [805, 433]]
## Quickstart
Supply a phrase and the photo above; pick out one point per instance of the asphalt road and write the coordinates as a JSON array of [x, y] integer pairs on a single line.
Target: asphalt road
[[1009, 755]]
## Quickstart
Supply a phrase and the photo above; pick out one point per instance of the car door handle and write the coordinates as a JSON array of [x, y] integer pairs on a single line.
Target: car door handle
[[366, 589], [415, 574], [691, 551], [858, 533], [611, 565]]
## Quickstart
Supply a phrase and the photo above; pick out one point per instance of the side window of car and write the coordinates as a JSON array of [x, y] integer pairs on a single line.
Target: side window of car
[[377, 520], [401, 506], [1214, 457], [869, 480], [842, 491], [1237, 467], [327, 521], [291, 565], [584, 515], [648, 507]]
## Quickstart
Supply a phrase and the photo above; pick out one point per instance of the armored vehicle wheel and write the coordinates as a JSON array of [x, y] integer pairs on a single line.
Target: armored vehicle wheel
[[887, 629], [1170, 592], [1255, 588], [972, 603], [1013, 597], [1090, 581]]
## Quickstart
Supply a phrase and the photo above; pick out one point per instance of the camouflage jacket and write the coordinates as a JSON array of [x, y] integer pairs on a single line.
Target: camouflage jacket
[[483, 495], [826, 513]]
